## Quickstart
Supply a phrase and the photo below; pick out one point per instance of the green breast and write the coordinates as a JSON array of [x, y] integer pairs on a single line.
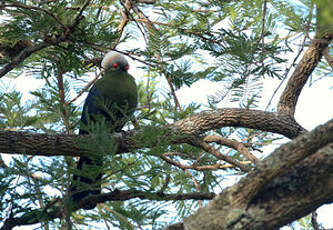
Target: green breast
[[119, 87]]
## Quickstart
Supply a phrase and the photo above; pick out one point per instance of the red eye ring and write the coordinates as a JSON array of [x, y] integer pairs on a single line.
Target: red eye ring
[[127, 67], [115, 65]]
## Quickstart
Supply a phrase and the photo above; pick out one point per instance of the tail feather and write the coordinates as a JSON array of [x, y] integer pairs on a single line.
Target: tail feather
[[83, 186]]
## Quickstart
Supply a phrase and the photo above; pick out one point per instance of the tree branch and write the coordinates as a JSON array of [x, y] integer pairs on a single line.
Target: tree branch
[[37, 9], [309, 61], [239, 146], [46, 43], [181, 131], [292, 182], [54, 210], [208, 148], [283, 159], [196, 167]]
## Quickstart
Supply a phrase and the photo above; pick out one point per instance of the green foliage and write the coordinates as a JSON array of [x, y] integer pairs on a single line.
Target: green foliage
[[178, 43]]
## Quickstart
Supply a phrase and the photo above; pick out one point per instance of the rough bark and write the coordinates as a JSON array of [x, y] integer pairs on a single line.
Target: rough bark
[[303, 71], [277, 191], [69, 145]]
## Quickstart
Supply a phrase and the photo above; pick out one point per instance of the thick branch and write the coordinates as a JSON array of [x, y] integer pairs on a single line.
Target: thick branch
[[69, 145], [282, 160], [290, 183], [301, 74], [246, 118]]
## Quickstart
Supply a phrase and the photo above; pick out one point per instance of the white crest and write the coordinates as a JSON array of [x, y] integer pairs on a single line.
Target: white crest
[[112, 57]]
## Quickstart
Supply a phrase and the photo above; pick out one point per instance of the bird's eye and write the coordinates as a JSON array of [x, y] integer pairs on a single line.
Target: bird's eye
[[127, 67], [115, 65]]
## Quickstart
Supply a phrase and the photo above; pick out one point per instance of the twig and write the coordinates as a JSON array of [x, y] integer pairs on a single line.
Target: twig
[[263, 33], [46, 43], [201, 167], [150, 25], [63, 105], [85, 88], [220, 156], [79, 16], [195, 182], [37, 9], [146, 1], [173, 93], [55, 211], [122, 24], [130, 4], [314, 221], [240, 147]]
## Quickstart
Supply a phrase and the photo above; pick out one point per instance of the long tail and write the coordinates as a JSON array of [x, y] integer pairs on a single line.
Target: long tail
[[82, 185]]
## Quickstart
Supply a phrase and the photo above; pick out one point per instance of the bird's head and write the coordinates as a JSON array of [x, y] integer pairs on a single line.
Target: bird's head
[[114, 61]]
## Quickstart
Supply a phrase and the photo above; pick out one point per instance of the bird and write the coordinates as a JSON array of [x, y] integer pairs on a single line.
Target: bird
[[112, 99]]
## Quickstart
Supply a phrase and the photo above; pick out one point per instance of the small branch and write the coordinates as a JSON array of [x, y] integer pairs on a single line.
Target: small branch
[[286, 73], [86, 87], [240, 147], [123, 23], [263, 33], [200, 167], [146, 1], [119, 195], [314, 221], [150, 25], [195, 182], [46, 43], [63, 105], [220, 156], [25, 54], [79, 16], [37, 9], [134, 58], [129, 5], [54, 210], [173, 93]]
